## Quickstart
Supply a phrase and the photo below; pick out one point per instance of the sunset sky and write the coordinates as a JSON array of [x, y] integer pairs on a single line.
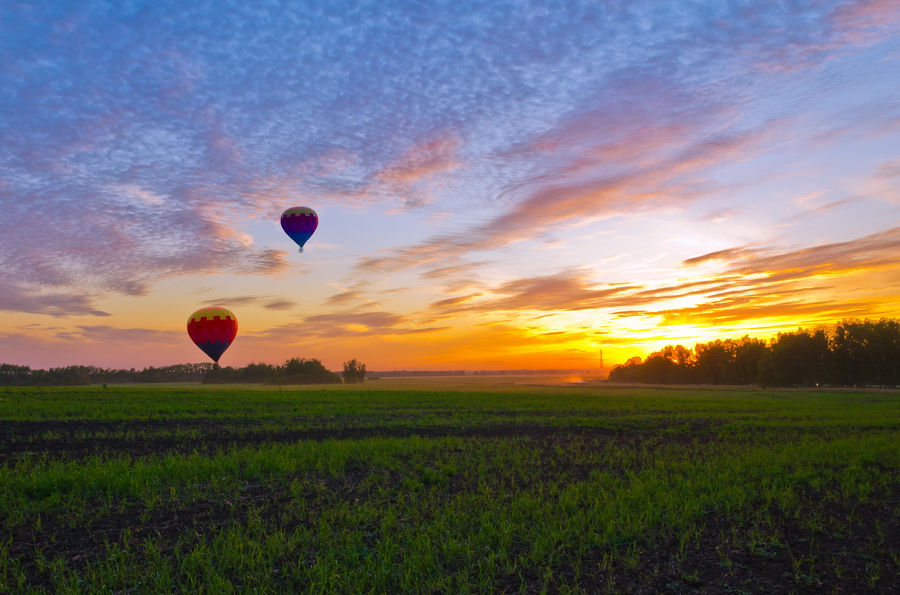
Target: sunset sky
[[499, 184]]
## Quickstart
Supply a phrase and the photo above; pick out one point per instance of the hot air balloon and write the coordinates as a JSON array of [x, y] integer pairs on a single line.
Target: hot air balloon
[[212, 330], [299, 223]]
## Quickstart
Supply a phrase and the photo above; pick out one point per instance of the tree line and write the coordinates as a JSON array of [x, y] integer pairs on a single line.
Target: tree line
[[13, 375], [853, 353], [293, 371]]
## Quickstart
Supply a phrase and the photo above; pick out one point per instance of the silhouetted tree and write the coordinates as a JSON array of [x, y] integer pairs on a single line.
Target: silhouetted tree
[[68, 376], [630, 371], [743, 364], [865, 353], [12, 375], [795, 359], [303, 371], [354, 371], [712, 358], [858, 353], [673, 364]]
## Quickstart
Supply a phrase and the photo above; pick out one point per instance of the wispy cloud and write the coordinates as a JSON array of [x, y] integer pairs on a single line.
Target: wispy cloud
[[650, 139], [421, 170], [874, 251], [888, 170], [346, 324], [657, 178], [133, 336], [268, 302], [751, 283], [729, 254], [19, 297]]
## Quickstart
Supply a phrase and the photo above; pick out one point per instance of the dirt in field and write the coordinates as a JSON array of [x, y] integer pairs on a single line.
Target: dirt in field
[[856, 559], [82, 438], [834, 547], [859, 552], [856, 554]]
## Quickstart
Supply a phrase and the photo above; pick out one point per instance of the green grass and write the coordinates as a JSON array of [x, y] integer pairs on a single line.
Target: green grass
[[346, 406], [668, 480]]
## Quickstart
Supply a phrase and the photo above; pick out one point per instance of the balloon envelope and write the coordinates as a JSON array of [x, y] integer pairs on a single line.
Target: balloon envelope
[[212, 330], [299, 223]]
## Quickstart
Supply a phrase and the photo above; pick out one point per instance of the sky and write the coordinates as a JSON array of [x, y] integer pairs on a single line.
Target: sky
[[500, 185]]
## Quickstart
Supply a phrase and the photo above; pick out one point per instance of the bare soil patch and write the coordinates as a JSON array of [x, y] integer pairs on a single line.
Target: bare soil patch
[[66, 439]]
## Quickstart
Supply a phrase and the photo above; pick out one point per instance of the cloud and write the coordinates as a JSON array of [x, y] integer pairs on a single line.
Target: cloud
[[649, 137], [571, 291], [875, 251], [133, 336], [759, 283], [80, 245], [343, 325], [356, 294], [454, 270], [798, 312], [866, 21], [422, 168], [268, 301], [20, 297], [101, 345], [353, 323], [135, 146], [568, 290], [888, 170], [729, 254], [279, 305], [751, 283], [593, 188], [234, 301], [422, 162], [721, 214]]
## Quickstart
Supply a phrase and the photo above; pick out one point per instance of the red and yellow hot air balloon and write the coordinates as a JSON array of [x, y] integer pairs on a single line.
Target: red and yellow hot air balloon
[[212, 330]]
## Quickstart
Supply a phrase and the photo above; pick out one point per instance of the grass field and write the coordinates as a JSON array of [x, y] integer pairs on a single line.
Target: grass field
[[449, 485]]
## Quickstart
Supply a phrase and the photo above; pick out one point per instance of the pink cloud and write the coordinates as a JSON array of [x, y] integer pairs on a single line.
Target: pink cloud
[[84, 249], [866, 21], [593, 173], [21, 297], [422, 161]]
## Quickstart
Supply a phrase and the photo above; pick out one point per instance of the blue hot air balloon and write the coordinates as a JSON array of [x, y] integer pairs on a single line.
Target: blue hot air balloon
[[299, 223]]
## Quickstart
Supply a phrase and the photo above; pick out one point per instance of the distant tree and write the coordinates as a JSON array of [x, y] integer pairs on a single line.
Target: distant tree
[[673, 364], [258, 372], [68, 376], [354, 372], [250, 374], [865, 352], [12, 375], [742, 365], [712, 358], [796, 359], [303, 371], [630, 371]]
